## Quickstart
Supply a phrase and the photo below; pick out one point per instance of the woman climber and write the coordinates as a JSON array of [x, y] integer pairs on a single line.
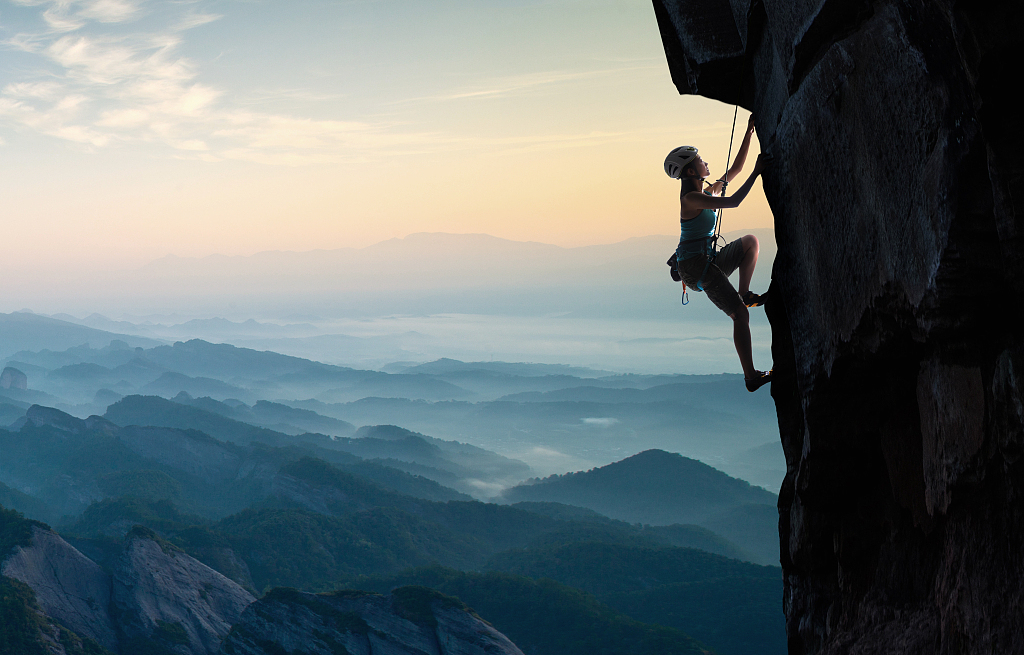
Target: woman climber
[[696, 262]]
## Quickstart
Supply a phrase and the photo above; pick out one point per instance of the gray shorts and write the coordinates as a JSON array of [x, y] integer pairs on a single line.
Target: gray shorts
[[716, 280]]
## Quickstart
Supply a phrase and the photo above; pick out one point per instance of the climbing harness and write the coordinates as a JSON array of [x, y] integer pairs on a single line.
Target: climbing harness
[[711, 252], [711, 242]]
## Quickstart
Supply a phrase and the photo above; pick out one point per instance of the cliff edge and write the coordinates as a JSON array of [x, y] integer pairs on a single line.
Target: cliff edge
[[897, 188]]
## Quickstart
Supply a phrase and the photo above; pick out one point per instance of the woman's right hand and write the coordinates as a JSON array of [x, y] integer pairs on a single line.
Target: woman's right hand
[[762, 162]]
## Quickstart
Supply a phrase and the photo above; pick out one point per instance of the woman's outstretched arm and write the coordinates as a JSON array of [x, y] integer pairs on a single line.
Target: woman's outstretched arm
[[741, 154], [741, 159], [695, 201]]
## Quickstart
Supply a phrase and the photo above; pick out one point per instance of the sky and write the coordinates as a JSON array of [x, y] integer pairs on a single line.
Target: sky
[[135, 129]]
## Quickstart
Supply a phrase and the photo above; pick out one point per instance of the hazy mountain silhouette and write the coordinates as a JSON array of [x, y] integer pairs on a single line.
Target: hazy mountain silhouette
[[539, 409], [456, 273], [27, 331], [159, 412], [447, 366], [274, 416], [460, 464]]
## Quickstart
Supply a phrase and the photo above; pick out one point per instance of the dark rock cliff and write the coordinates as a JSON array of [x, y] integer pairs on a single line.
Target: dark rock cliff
[[897, 190]]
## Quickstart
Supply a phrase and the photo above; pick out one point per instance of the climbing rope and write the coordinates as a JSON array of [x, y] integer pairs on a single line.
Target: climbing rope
[[713, 249], [725, 178]]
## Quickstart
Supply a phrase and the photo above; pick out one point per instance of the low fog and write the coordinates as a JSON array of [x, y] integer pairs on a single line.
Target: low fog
[[469, 297], [560, 358]]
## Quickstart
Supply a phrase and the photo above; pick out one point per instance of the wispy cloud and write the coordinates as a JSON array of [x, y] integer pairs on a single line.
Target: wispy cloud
[[100, 86], [103, 81], [518, 83], [189, 21], [501, 87], [108, 11], [59, 21]]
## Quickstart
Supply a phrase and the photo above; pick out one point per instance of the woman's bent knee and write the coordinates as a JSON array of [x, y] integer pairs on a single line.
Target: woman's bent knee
[[741, 314]]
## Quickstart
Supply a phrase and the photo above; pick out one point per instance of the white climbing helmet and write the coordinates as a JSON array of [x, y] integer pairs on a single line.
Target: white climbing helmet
[[678, 159]]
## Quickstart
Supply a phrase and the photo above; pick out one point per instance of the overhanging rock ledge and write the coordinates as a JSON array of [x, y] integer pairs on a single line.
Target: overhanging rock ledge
[[896, 306]]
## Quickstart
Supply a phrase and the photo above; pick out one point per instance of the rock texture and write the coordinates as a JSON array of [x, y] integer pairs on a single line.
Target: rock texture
[[157, 594], [897, 188], [412, 621], [68, 586], [157, 587]]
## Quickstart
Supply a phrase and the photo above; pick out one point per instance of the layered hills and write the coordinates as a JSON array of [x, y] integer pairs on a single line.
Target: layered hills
[[299, 513], [194, 465], [553, 418]]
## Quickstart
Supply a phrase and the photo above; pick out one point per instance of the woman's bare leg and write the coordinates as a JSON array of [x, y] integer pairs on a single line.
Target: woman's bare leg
[[741, 337], [751, 248]]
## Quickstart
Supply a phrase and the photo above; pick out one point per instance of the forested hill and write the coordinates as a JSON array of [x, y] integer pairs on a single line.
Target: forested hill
[[659, 488], [652, 487]]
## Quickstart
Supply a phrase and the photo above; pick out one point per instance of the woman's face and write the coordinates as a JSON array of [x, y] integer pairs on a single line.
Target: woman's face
[[699, 167]]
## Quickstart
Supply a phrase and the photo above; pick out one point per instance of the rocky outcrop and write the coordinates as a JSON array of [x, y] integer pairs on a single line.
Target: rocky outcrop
[[896, 184], [26, 630], [411, 621], [68, 586], [157, 594], [12, 378], [39, 416], [161, 594]]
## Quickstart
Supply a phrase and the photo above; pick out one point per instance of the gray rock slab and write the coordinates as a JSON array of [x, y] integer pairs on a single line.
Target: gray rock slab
[[68, 586], [362, 624], [155, 583]]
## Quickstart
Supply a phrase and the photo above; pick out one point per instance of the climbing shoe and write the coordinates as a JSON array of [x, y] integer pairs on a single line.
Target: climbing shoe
[[760, 379], [751, 299]]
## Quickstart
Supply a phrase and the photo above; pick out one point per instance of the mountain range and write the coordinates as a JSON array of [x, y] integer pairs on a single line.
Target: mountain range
[[177, 514], [454, 273], [555, 418]]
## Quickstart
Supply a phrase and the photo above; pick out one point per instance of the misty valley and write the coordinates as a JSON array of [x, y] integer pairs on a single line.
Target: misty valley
[[198, 497]]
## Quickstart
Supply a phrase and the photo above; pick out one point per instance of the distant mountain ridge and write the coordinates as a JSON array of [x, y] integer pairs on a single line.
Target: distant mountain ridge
[[465, 269], [455, 273], [27, 331], [450, 463], [449, 366]]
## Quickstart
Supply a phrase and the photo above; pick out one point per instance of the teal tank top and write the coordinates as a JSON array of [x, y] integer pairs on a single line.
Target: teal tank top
[[700, 226]]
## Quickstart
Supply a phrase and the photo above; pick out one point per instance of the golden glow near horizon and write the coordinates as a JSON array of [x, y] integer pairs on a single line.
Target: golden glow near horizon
[[133, 129]]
